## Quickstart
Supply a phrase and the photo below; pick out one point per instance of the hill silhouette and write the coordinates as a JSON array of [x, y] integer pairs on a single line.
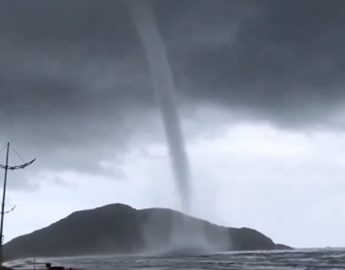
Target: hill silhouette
[[121, 229]]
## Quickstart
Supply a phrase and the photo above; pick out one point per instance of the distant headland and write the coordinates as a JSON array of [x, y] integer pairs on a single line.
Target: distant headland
[[121, 229]]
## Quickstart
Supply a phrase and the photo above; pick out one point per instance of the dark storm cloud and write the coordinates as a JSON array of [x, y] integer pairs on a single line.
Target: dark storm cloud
[[273, 57], [74, 80], [286, 61]]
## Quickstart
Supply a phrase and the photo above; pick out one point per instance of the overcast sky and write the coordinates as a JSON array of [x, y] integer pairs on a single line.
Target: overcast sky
[[260, 90]]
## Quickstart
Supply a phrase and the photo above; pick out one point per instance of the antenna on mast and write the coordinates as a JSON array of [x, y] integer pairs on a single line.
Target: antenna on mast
[[6, 167]]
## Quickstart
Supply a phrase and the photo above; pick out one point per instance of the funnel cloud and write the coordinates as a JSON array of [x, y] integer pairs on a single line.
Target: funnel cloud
[[163, 82]]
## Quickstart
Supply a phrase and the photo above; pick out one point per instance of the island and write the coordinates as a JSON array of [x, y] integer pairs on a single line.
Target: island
[[121, 229]]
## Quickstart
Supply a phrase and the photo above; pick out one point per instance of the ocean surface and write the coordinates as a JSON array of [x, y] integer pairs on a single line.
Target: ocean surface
[[280, 260]]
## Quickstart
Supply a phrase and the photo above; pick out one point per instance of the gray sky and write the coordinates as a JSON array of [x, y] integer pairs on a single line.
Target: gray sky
[[260, 94]]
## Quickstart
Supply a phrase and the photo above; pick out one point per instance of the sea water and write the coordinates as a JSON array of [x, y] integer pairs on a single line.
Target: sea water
[[307, 259]]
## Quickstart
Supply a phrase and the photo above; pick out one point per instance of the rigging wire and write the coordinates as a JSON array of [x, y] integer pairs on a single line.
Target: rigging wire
[[17, 154], [9, 211], [3, 148]]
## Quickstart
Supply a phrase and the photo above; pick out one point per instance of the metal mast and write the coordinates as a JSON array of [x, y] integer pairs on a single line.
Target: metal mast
[[6, 167]]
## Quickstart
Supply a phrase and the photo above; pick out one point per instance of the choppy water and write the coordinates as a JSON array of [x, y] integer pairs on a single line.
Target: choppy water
[[280, 260]]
